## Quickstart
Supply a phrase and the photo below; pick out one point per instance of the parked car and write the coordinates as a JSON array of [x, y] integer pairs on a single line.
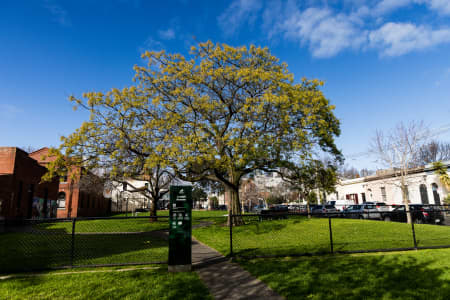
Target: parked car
[[222, 207], [274, 213], [341, 204], [362, 211], [324, 210], [381, 206], [258, 208], [297, 208], [420, 214]]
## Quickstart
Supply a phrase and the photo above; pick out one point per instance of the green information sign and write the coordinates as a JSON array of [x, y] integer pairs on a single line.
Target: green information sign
[[180, 228]]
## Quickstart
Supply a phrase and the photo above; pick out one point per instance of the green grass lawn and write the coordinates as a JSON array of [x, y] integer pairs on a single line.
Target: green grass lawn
[[48, 244], [298, 235], [26, 251], [136, 284], [423, 274], [195, 213]]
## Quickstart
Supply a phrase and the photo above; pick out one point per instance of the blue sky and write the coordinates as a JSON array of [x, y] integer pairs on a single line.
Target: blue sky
[[382, 61]]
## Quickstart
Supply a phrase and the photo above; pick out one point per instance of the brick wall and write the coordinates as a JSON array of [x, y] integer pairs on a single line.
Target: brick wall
[[23, 193], [76, 200]]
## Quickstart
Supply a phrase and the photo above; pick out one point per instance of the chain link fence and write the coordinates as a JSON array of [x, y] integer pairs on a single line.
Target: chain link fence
[[40, 244], [360, 229]]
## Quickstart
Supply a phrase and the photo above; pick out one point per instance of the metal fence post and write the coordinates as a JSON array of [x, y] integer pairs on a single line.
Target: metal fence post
[[230, 224], [72, 244], [414, 234], [331, 234]]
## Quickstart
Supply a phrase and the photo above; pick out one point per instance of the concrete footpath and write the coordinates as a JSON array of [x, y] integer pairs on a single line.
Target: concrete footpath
[[227, 280]]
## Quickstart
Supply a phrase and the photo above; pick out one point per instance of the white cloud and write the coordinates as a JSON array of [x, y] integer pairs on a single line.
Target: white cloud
[[396, 39], [387, 6], [441, 6], [59, 14], [238, 13], [326, 34], [168, 34], [327, 28]]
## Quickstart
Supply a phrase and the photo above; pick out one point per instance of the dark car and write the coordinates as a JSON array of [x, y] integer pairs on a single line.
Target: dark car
[[420, 214], [274, 213]]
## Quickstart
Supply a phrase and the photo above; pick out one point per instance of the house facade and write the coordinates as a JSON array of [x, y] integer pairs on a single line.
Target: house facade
[[424, 187]]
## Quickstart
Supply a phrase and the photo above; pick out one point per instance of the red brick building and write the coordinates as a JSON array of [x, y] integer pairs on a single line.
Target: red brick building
[[22, 194], [74, 201]]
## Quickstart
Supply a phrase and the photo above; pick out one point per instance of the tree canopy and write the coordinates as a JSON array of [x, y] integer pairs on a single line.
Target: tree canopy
[[218, 114]]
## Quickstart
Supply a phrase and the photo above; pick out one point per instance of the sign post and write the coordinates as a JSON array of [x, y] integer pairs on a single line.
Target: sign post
[[180, 229]]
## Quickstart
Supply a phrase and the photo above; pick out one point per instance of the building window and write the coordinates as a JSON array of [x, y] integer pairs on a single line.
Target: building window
[[61, 200], [436, 197], [383, 194], [423, 194]]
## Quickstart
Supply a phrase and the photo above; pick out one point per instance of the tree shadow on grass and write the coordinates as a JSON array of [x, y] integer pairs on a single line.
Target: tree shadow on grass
[[354, 277]]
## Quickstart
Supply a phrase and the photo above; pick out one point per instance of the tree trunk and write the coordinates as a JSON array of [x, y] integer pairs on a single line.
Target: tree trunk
[[153, 210], [405, 201], [234, 203], [308, 209]]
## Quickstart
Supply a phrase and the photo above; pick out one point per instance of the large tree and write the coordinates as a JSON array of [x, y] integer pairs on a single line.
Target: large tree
[[229, 111], [219, 114]]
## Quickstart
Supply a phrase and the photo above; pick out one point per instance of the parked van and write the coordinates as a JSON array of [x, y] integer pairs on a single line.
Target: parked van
[[341, 204]]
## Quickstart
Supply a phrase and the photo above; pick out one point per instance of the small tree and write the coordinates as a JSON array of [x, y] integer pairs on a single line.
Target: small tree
[[198, 195], [274, 199], [311, 175], [441, 171], [397, 150], [213, 202], [311, 198]]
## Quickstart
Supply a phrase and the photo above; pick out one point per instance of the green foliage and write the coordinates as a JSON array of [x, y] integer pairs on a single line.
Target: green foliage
[[214, 202], [311, 198], [274, 199], [219, 114], [310, 175], [447, 200], [441, 171], [198, 194]]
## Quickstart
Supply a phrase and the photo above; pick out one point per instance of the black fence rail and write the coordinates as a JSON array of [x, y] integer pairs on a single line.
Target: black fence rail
[[269, 234], [54, 243]]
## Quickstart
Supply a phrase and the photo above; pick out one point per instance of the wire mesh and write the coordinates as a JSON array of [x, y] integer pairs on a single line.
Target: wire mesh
[[359, 230], [40, 244]]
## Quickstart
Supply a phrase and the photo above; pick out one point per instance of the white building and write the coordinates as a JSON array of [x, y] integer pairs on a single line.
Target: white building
[[129, 199], [423, 184], [134, 196]]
